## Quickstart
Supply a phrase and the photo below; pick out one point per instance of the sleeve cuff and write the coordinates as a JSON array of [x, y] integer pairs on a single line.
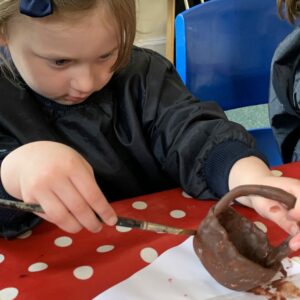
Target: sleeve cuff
[[220, 161]]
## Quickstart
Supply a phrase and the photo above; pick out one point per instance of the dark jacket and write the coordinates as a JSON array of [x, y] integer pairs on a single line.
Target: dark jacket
[[284, 103], [143, 132]]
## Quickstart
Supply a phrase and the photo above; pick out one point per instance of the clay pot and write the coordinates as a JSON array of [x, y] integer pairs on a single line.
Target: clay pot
[[235, 251]]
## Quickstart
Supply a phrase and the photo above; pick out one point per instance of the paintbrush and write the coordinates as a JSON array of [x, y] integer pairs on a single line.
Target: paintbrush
[[122, 221]]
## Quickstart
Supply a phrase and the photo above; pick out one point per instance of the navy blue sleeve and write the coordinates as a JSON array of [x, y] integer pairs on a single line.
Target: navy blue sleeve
[[221, 160], [193, 140]]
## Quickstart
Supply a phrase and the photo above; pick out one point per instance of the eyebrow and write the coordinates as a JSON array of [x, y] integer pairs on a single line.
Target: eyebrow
[[108, 52], [60, 56]]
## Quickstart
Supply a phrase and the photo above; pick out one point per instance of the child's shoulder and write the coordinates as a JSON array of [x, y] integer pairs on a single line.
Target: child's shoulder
[[144, 62], [144, 56], [289, 47]]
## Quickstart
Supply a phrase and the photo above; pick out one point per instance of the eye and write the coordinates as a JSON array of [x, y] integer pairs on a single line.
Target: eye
[[60, 62], [105, 56]]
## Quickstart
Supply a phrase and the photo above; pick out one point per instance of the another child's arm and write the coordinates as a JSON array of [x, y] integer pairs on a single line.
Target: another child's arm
[[284, 97], [63, 184], [252, 170]]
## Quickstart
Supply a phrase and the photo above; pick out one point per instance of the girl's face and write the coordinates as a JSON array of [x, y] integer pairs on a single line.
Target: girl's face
[[65, 62]]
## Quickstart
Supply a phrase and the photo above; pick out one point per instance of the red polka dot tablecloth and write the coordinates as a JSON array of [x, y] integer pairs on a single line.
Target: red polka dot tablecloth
[[48, 263]]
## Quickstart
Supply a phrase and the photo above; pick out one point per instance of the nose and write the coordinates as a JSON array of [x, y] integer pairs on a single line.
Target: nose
[[84, 80]]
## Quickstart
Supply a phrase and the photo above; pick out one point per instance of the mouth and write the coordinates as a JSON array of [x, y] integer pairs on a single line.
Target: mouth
[[70, 100], [75, 99]]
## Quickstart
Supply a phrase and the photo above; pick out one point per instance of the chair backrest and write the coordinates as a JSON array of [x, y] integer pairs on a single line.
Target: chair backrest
[[224, 50]]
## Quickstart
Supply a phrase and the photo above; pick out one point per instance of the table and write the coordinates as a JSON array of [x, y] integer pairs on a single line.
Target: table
[[48, 263]]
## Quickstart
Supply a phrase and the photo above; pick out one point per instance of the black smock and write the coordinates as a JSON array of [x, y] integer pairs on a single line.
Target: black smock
[[284, 102], [142, 133]]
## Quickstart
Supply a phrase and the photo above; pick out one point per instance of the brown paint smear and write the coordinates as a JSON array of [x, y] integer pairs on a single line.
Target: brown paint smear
[[278, 290], [274, 209]]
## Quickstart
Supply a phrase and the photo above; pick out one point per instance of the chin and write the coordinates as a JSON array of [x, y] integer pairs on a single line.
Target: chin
[[65, 101]]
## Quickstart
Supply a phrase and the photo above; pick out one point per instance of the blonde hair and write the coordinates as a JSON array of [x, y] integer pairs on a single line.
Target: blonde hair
[[291, 7], [123, 12]]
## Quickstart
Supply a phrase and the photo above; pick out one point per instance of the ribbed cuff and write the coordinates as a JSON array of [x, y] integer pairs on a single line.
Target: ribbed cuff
[[220, 162]]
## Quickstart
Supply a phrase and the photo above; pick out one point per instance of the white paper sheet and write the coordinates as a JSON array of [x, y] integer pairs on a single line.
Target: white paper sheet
[[177, 274]]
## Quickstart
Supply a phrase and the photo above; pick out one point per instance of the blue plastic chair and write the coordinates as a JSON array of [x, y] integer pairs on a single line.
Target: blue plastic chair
[[224, 50]]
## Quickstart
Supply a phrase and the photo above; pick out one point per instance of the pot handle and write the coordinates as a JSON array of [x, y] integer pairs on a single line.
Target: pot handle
[[259, 190], [283, 250]]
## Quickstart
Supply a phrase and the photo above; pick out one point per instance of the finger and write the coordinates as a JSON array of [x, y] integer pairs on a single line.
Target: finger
[[278, 214], [295, 242], [294, 213], [89, 189], [55, 212], [77, 205]]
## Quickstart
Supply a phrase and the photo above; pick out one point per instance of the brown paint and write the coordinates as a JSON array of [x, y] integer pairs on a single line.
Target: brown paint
[[232, 249], [274, 209], [278, 290]]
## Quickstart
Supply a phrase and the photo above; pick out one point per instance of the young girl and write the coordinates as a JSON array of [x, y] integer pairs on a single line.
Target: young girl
[[89, 119]]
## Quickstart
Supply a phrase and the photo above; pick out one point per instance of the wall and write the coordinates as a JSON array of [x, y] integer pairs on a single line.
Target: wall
[[151, 24]]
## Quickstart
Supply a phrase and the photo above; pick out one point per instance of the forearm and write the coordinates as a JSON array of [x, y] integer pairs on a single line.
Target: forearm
[[247, 170], [9, 176], [14, 222]]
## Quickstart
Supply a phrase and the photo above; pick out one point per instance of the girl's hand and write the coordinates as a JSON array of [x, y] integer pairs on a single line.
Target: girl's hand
[[61, 181], [252, 170]]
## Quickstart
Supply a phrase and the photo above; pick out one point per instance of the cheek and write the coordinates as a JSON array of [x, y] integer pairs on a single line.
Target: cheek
[[108, 73], [107, 76], [37, 74], [47, 84], [45, 79]]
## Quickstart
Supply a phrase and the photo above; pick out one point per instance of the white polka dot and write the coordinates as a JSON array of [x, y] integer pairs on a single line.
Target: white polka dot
[[2, 257], [37, 267], [63, 241], [139, 205], [261, 226], [296, 259], [105, 248], [177, 214], [25, 235], [123, 229], [83, 272], [277, 173], [185, 195], [9, 293], [148, 254]]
